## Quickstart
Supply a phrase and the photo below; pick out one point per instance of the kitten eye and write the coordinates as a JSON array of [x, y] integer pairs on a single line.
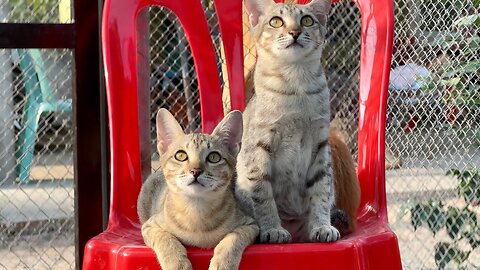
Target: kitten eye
[[307, 21], [276, 22], [181, 155], [214, 157]]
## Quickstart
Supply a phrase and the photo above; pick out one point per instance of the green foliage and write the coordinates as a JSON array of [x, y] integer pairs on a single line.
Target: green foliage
[[477, 133], [457, 78], [473, 237], [446, 252], [461, 224], [457, 82], [459, 221], [37, 10], [459, 86], [469, 185], [430, 214], [468, 20]]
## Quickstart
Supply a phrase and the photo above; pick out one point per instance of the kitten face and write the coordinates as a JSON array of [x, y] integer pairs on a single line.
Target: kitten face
[[288, 31], [198, 165]]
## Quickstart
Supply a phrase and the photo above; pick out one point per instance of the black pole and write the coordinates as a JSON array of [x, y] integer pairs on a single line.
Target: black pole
[[87, 112]]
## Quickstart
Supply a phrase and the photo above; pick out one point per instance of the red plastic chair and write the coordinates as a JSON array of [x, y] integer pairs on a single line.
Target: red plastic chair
[[372, 246]]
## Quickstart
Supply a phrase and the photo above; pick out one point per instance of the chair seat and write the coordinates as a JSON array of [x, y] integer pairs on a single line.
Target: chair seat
[[372, 246]]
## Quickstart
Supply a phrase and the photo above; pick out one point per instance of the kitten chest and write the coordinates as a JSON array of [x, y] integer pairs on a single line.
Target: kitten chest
[[292, 160]]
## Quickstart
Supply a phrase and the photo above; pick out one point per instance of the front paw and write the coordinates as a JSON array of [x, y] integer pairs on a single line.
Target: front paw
[[275, 236], [324, 233], [177, 265], [219, 263]]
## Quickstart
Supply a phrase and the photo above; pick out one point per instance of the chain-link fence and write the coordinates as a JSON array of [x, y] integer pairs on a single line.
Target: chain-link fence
[[433, 133], [36, 160], [38, 11], [36, 187], [433, 128]]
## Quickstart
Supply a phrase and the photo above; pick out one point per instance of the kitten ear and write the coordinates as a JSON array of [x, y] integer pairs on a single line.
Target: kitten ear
[[321, 8], [167, 129], [255, 9], [230, 130]]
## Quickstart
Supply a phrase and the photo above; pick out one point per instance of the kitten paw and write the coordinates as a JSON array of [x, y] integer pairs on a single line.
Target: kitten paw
[[185, 266], [216, 264], [225, 258], [324, 233], [275, 236], [180, 265]]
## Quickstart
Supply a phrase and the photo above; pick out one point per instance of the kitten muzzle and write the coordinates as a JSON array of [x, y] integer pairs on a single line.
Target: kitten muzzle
[[196, 173], [294, 44], [295, 34]]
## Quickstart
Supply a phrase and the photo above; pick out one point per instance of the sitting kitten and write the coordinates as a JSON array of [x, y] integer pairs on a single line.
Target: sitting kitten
[[285, 164], [191, 201]]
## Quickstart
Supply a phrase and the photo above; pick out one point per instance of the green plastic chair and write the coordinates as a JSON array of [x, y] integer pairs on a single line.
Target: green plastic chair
[[39, 101]]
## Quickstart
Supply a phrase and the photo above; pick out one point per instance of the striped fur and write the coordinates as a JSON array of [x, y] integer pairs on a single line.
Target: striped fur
[[284, 167], [191, 201]]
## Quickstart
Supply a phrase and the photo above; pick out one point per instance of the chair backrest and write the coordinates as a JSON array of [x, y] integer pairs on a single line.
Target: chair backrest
[[120, 45], [37, 82], [375, 61]]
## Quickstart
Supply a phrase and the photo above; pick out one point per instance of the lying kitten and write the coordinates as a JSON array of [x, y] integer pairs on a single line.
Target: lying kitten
[[285, 165], [191, 201]]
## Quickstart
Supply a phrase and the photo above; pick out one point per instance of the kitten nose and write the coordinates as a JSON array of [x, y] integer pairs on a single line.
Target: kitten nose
[[196, 172], [295, 34]]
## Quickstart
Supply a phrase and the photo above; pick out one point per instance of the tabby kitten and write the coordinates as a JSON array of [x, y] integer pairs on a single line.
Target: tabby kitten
[[284, 167], [191, 201]]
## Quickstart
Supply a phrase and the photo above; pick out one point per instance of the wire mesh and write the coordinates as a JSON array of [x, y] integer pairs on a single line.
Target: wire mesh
[[433, 131], [36, 11], [36, 172], [173, 81]]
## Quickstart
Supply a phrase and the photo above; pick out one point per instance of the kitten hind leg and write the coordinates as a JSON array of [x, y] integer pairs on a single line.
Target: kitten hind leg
[[171, 254]]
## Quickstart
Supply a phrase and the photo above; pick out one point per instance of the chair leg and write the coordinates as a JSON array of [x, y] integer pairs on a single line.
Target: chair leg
[[26, 143]]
